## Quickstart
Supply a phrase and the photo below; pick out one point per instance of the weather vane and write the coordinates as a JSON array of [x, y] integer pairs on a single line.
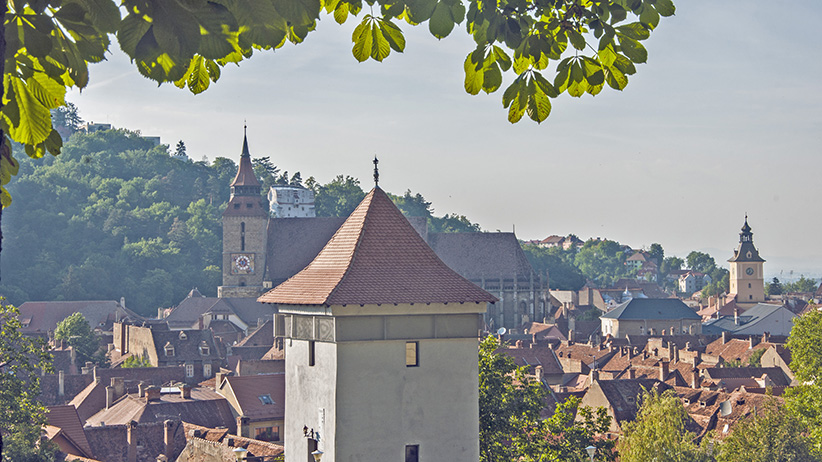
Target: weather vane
[[376, 171]]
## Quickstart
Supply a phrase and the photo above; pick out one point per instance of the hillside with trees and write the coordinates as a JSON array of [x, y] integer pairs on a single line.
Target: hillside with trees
[[116, 216]]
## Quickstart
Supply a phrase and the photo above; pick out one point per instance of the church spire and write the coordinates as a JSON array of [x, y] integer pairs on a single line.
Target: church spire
[[245, 183]]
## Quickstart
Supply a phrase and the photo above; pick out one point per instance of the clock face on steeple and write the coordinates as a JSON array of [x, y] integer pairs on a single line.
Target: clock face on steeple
[[242, 263], [749, 271]]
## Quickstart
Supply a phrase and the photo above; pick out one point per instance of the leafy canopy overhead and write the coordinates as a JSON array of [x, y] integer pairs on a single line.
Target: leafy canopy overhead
[[550, 46]]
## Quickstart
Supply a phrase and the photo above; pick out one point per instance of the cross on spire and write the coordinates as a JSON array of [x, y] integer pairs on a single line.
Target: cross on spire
[[376, 172]]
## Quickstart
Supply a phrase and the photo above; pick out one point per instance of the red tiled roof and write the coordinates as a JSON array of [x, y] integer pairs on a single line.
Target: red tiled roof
[[376, 257], [248, 389], [66, 418], [245, 174]]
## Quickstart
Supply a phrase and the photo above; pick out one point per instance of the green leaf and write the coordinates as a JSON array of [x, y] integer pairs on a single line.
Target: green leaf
[[198, 79], [633, 49], [420, 11], [649, 16], [539, 106], [665, 7], [362, 40], [635, 30], [502, 58], [577, 40], [48, 92], [34, 124], [544, 85], [441, 23], [341, 13], [380, 47], [393, 34], [492, 79], [473, 77], [577, 84], [615, 78], [515, 111], [512, 92]]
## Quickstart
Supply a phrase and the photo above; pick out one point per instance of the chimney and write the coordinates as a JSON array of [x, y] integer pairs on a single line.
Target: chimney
[[141, 389], [725, 337], [695, 378], [123, 333], [152, 394], [243, 424], [765, 337], [168, 438], [663, 370], [751, 342], [94, 372], [631, 373], [61, 383], [518, 344], [539, 373], [160, 313], [119, 385], [185, 391], [200, 324], [110, 397], [736, 316], [219, 380], [131, 437], [594, 375]]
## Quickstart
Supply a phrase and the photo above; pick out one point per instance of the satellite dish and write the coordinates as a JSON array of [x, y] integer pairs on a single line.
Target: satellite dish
[[501, 331]]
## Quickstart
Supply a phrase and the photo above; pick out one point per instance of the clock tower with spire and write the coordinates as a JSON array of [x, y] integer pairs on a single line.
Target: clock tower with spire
[[245, 234], [747, 279]]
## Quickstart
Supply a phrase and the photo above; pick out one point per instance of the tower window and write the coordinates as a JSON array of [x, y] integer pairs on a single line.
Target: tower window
[[311, 353], [749, 285], [412, 453], [412, 357], [750, 297], [242, 236]]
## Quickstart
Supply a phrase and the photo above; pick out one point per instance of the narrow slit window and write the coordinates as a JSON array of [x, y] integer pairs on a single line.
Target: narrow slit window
[[311, 353], [412, 355], [412, 453]]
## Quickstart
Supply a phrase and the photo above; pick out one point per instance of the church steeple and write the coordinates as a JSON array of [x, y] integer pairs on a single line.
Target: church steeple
[[245, 183]]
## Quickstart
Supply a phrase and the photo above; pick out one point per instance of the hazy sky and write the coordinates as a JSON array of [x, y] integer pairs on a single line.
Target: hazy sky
[[724, 119]]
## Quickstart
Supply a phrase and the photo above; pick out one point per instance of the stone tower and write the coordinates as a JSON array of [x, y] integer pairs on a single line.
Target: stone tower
[[245, 234], [381, 346], [747, 278]]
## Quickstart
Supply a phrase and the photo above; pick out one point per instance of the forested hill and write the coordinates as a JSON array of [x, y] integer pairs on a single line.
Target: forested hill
[[115, 216]]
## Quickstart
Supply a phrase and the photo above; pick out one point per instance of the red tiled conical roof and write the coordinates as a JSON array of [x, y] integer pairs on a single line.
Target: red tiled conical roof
[[376, 257], [245, 174]]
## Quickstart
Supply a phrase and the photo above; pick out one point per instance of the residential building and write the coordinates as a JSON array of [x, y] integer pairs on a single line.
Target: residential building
[[761, 318], [257, 403], [649, 316], [291, 201]]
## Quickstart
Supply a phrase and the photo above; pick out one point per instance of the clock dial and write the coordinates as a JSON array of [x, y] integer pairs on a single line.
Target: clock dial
[[749, 271], [242, 263]]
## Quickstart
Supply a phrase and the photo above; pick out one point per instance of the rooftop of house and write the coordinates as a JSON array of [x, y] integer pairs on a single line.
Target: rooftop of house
[[652, 309], [536, 355], [256, 449], [42, 317], [66, 418], [260, 397], [747, 319], [376, 257], [480, 255], [204, 407], [623, 395], [189, 311]]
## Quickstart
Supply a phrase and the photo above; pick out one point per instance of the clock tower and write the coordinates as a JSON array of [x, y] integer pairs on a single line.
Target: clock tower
[[747, 278], [245, 234]]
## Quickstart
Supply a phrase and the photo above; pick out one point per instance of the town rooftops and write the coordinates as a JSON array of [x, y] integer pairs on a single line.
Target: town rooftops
[[748, 319], [42, 317], [482, 255], [651, 309], [260, 397], [376, 257]]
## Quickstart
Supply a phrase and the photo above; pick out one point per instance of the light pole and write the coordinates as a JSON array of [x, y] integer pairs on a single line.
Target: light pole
[[591, 451], [317, 455]]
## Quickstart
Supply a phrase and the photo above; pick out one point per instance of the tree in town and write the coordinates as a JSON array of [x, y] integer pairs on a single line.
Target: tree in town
[[772, 433], [22, 359], [659, 432], [602, 261], [136, 361], [75, 330], [805, 399], [558, 263], [700, 261], [657, 254], [774, 287], [180, 149], [801, 285], [510, 424], [338, 198]]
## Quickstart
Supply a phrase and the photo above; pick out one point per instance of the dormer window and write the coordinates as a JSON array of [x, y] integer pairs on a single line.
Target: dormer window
[[169, 349], [183, 335], [204, 350], [266, 399]]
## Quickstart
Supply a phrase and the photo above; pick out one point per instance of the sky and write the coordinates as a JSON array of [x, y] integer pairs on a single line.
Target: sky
[[724, 120]]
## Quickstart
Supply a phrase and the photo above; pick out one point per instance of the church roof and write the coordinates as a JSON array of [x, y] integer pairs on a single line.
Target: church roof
[[245, 174], [482, 255], [376, 257]]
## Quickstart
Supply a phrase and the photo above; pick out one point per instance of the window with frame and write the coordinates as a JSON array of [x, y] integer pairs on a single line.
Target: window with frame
[[207, 370], [189, 370], [412, 355], [267, 433], [412, 453], [169, 350]]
